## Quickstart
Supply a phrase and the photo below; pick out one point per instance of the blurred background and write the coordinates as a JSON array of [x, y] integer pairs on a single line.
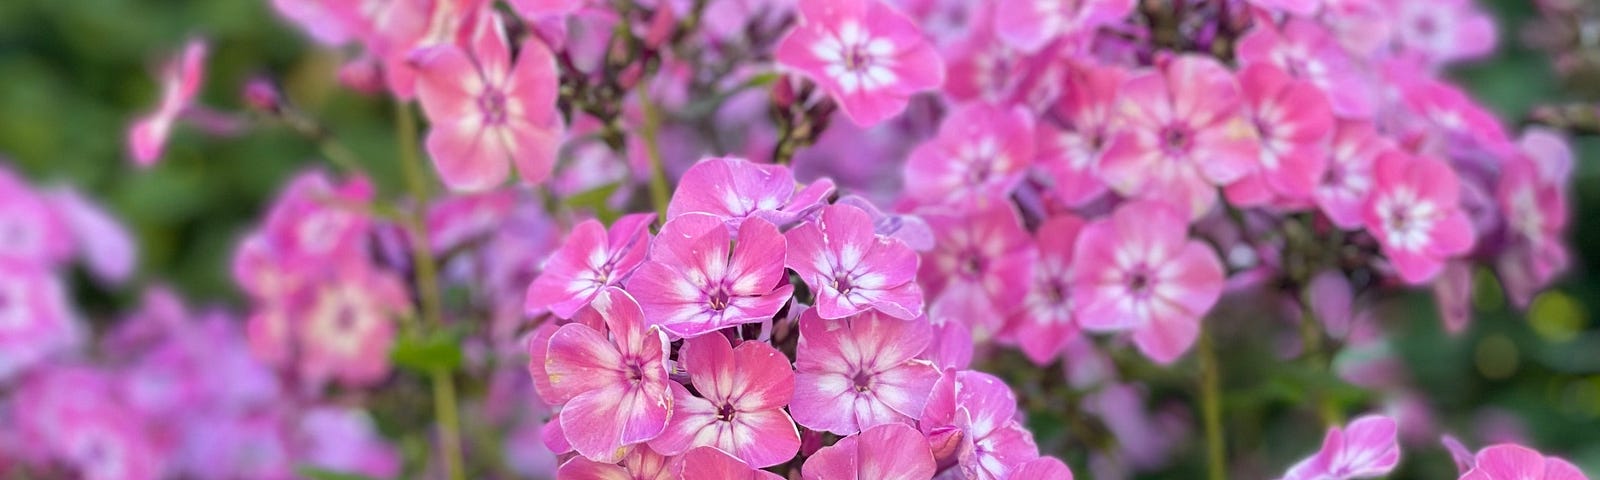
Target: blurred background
[[74, 73]]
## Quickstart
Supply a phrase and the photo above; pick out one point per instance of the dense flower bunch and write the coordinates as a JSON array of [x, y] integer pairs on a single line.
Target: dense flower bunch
[[768, 239]]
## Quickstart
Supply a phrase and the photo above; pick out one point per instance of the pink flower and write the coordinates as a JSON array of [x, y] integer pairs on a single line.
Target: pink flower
[[31, 230], [1293, 123], [1516, 462], [1297, 7], [1042, 467], [866, 54], [590, 260], [1045, 323], [536, 9], [981, 258], [859, 372], [885, 452], [982, 151], [317, 222], [740, 411], [641, 463], [1182, 135], [1366, 448], [108, 249], [347, 329], [1532, 195], [851, 269], [696, 283], [1070, 152], [1307, 51], [180, 81], [1414, 210], [486, 112], [1139, 271], [1342, 193], [614, 389], [1030, 24], [978, 412], [35, 319], [346, 440], [1443, 31], [708, 463], [735, 189]]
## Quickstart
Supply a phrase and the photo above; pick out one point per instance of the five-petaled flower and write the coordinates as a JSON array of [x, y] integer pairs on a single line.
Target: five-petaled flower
[[859, 372], [698, 280], [851, 269], [1415, 212], [866, 54], [740, 411]]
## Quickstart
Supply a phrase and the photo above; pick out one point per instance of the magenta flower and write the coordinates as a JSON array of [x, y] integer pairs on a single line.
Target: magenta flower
[[1031, 24], [740, 411], [1297, 7], [981, 257], [612, 383], [885, 452], [1182, 135], [590, 260], [1414, 210], [537, 9], [735, 189], [1306, 50], [31, 229], [346, 330], [1366, 448], [1069, 153], [317, 222], [851, 269], [1342, 193], [1516, 462], [107, 247], [36, 321], [1043, 467], [641, 463], [1046, 323], [978, 413], [1139, 271], [982, 150], [870, 57], [180, 82], [696, 283], [486, 112], [1444, 31], [1293, 123], [707, 463], [859, 372], [1532, 195]]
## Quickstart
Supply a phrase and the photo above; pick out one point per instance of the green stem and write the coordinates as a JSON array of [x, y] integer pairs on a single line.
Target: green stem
[[1311, 338], [1211, 407], [659, 190]]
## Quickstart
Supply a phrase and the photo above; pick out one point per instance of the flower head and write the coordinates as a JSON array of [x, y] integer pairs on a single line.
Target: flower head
[[590, 260], [35, 319], [978, 412], [1070, 149], [695, 282], [859, 372], [1030, 24], [1366, 448], [982, 255], [982, 150], [1045, 323], [1516, 462], [870, 57], [851, 269], [1293, 123], [885, 452], [734, 189], [1414, 210], [180, 82], [1342, 192], [740, 411]]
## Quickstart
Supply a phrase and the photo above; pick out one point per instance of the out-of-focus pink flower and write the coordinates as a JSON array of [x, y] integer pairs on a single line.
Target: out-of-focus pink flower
[[1452, 294], [1045, 323], [1443, 31], [909, 229], [695, 282], [1139, 271], [348, 326], [35, 319], [1516, 462], [1030, 24], [740, 411], [74, 417], [1330, 299], [1459, 454], [641, 463], [1297, 7], [1042, 467], [1307, 51], [1366, 448], [487, 112], [982, 258], [107, 247], [457, 220], [536, 9], [589, 260], [1342, 193], [613, 389], [866, 54], [1182, 135], [859, 372], [982, 151], [30, 230], [734, 189], [851, 269], [1070, 152], [709, 463], [317, 223], [885, 452], [180, 81], [1414, 210], [978, 412], [1532, 195], [329, 22], [1293, 123], [346, 440]]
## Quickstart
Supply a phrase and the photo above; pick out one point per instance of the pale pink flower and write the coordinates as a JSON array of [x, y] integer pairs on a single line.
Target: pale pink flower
[[1366, 448], [1414, 210], [982, 150], [318, 222], [36, 321], [858, 372], [982, 257], [1516, 462], [851, 269], [1307, 51], [885, 452], [709, 463], [329, 22], [1042, 468], [31, 230], [978, 412], [1342, 193], [1293, 123], [867, 55], [1442, 31], [348, 327], [612, 384], [1532, 196], [641, 463], [695, 282], [107, 247], [180, 82], [588, 261], [734, 189], [1298, 7], [740, 411], [1030, 24], [1045, 323], [536, 9], [488, 113], [345, 439], [1139, 270], [1182, 135], [1069, 149]]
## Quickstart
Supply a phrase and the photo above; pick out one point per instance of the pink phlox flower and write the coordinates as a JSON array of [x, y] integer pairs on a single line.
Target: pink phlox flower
[[709, 463], [347, 440], [909, 229], [859, 372], [1414, 210], [318, 222], [740, 411], [1030, 24], [1307, 51], [1365, 448], [641, 463], [329, 22], [36, 321], [851, 269], [454, 222], [537, 9], [982, 257], [180, 82], [106, 246], [1293, 124], [346, 327], [1344, 187], [1045, 323], [982, 150], [1443, 31], [735, 189], [1297, 7], [885, 452], [1042, 468], [866, 54], [1078, 131], [589, 260], [695, 282], [1516, 462], [1532, 195], [979, 412]]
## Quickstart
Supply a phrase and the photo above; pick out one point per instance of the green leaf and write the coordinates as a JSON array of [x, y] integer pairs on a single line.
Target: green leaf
[[440, 351], [594, 200], [315, 473]]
